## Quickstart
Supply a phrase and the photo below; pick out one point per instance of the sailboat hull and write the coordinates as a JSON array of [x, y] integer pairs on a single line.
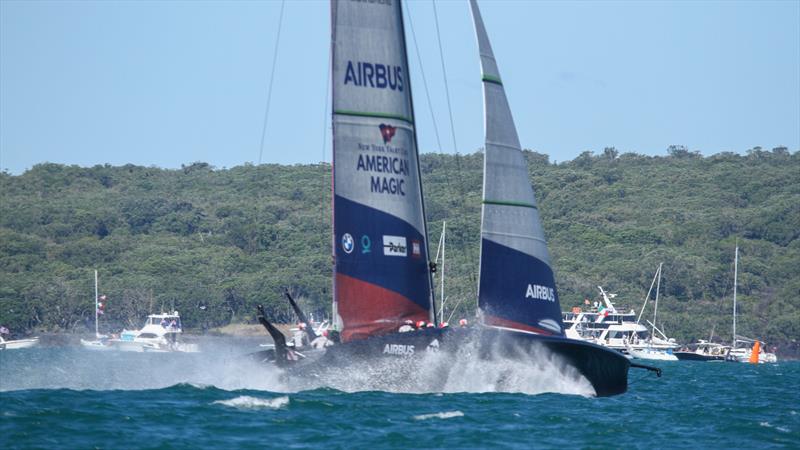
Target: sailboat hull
[[605, 369], [692, 356]]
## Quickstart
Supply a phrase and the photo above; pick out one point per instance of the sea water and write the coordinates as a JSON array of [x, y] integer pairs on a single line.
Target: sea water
[[69, 397]]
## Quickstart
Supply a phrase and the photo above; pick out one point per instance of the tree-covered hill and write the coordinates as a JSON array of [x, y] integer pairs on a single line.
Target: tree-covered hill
[[226, 240]]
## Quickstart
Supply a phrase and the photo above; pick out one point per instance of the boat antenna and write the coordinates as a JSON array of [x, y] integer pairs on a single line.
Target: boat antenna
[[271, 79]]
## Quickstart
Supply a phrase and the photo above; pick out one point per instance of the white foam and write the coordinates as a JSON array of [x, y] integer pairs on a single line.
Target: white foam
[[247, 402], [540, 372], [440, 415]]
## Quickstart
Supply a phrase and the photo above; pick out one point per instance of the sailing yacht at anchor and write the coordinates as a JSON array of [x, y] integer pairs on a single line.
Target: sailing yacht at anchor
[[382, 274]]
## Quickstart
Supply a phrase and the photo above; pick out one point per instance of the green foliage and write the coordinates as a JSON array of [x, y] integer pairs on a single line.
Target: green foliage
[[227, 240]]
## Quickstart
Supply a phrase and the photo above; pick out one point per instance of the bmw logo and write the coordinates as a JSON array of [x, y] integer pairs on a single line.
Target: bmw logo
[[347, 243]]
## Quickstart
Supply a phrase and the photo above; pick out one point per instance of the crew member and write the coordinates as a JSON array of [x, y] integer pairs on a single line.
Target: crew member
[[407, 326], [300, 336], [321, 341]]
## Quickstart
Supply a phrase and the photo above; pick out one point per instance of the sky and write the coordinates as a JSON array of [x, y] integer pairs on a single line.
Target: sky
[[166, 83]]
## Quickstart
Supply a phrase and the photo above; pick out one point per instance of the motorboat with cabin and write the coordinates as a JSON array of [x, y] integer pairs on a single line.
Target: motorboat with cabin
[[703, 351], [605, 325], [160, 333]]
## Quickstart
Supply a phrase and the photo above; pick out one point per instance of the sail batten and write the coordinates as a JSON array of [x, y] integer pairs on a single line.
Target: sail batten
[[380, 245], [516, 285]]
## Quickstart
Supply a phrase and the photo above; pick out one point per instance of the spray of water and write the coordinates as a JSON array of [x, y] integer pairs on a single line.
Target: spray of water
[[222, 364], [541, 371]]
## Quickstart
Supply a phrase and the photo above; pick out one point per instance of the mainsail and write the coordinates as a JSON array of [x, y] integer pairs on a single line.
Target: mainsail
[[380, 247], [517, 288]]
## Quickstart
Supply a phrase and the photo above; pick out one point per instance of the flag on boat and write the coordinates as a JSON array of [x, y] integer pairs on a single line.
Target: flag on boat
[[101, 304], [603, 312]]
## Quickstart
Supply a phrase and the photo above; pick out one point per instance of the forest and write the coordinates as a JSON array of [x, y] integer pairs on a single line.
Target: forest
[[213, 243]]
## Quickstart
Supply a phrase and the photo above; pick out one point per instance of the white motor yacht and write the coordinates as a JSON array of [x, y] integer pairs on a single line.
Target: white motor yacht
[[603, 324], [160, 333], [703, 351]]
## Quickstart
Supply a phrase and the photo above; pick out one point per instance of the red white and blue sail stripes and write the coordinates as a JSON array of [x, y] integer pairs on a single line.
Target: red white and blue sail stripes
[[380, 249]]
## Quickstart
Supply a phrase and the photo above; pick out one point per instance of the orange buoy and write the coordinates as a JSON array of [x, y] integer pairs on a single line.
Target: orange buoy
[[754, 353]]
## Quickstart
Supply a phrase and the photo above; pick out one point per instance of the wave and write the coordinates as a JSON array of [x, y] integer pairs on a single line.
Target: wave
[[248, 402], [440, 415]]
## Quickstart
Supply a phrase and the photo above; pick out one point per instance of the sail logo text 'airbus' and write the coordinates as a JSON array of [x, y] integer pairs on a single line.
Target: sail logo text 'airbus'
[[538, 292], [374, 75]]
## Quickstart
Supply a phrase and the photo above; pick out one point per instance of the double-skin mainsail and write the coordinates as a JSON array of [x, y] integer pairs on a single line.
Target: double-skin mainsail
[[517, 288], [382, 275]]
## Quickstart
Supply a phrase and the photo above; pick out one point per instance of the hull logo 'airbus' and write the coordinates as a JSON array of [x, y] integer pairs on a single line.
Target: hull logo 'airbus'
[[387, 132], [395, 246], [347, 243], [398, 350], [538, 292]]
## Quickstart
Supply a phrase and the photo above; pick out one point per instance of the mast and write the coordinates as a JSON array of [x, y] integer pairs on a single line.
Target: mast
[[735, 274], [441, 270], [336, 319], [96, 309], [655, 308]]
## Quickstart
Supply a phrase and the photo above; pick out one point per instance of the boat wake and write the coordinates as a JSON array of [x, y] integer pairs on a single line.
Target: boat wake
[[438, 372], [248, 402], [440, 415]]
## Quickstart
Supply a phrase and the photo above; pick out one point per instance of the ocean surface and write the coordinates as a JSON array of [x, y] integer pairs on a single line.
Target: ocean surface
[[68, 397]]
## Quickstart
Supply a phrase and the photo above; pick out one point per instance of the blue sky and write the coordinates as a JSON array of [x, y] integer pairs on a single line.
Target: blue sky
[[169, 83]]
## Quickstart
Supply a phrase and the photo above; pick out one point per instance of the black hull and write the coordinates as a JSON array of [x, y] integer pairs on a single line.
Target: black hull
[[605, 369], [692, 356]]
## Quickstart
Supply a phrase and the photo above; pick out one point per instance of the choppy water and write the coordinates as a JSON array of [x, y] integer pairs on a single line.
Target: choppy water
[[68, 397]]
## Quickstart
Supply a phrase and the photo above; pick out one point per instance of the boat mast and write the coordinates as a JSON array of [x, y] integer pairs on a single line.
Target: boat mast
[[96, 310], [444, 238], [655, 308], [735, 275]]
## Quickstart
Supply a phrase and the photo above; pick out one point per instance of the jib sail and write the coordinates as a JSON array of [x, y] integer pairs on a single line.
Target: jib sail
[[517, 288], [380, 242]]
